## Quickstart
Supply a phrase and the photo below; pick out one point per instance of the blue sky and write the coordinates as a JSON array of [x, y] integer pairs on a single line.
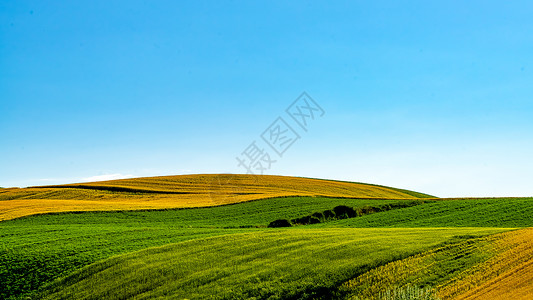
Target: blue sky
[[434, 97]]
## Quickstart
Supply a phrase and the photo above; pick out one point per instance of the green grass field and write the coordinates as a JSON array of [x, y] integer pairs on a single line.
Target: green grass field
[[252, 213], [276, 264], [497, 212], [37, 249], [226, 252]]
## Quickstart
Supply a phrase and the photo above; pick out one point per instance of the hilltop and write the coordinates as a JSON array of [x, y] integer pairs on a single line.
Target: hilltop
[[181, 191]]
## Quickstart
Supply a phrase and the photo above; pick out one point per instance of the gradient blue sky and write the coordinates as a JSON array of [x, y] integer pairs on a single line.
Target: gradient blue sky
[[434, 96]]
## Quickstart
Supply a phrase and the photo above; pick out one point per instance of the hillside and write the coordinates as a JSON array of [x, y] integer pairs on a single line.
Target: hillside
[[485, 212], [492, 267], [276, 264], [508, 274], [179, 192], [221, 247], [38, 249]]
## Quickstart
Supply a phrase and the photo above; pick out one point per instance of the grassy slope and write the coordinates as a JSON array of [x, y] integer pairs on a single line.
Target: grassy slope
[[40, 248], [285, 263], [251, 213], [179, 192], [502, 212], [37, 249]]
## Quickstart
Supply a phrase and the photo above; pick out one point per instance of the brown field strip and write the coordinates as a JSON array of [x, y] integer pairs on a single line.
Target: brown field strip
[[182, 191]]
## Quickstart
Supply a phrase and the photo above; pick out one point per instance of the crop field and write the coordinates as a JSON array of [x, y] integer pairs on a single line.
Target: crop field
[[507, 275], [42, 247], [497, 212], [224, 249], [275, 264], [492, 267], [179, 192]]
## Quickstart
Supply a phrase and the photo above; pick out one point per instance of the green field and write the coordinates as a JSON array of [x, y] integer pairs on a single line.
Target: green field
[[37, 249], [278, 264], [252, 213], [494, 212], [227, 252]]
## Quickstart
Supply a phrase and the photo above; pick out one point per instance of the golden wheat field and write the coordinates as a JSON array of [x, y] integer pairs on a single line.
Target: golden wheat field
[[507, 275], [180, 191], [493, 267]]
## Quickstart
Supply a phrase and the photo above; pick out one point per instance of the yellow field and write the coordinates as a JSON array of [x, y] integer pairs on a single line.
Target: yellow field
[[507, 275], [389, 276], [176, 192], [505, 270], [412, 271]]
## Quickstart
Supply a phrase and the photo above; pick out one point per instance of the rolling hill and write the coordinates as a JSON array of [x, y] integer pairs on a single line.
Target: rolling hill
[[266, 265], [179, 192], [207, 239]]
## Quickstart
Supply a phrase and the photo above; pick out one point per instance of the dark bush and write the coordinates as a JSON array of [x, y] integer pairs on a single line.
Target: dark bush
[[378, 208], [329, 214], [386, 207], [280, 223], [343, 212], [319, 216], [302, 221], [396, 205], [365, 210], [314, 220], [358, 212]]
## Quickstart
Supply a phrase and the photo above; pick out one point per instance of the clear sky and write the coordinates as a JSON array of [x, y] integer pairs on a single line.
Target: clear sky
[[434, 96]]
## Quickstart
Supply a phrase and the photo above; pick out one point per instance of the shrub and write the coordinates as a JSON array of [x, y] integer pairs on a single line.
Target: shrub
[[280, 223], [386, 207], [303, 220], [319, 216], [396, 205], [343, 212], [378, 208], [314, 220], [365, 210], [329, 214], [358, 212]]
